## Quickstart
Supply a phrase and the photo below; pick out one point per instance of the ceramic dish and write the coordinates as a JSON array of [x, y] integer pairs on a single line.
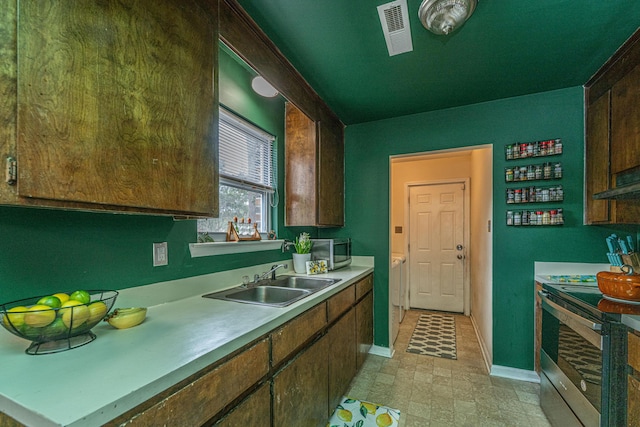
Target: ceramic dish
[[620, 286]]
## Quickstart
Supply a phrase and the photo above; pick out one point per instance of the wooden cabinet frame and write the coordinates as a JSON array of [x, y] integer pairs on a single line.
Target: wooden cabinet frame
[[315, 196]]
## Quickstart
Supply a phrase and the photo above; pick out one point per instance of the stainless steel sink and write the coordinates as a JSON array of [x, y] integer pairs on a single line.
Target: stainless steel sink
[[297, 282], [281, 292]]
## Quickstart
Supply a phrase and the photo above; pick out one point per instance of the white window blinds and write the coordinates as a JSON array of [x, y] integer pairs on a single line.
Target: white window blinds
[[246, 153]]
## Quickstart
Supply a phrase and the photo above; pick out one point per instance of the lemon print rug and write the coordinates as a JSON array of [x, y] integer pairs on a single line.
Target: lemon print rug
[[356, 413]]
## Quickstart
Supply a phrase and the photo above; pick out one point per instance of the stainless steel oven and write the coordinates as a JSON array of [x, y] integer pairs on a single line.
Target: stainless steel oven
[[583, 359]]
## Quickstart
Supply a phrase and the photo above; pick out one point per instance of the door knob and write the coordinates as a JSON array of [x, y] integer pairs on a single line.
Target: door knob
[[459, 247]]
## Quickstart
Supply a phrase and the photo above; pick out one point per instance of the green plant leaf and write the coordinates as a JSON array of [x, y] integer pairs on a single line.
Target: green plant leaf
[[349, 401], [360, 423], [363, 411]]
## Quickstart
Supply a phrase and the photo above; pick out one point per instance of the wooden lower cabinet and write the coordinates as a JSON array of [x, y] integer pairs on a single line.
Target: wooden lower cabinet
[[364, 328], [255, 410], [298, 397], [342, 357]]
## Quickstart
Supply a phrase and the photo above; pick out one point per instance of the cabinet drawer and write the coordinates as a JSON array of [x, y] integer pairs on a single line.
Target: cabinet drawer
[[364, 286], [340, 303], [253, 411], [295, 333], [199, 401], [633, 342]]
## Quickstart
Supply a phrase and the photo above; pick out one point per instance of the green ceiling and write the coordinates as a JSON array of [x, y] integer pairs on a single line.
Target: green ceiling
[[507, 48]]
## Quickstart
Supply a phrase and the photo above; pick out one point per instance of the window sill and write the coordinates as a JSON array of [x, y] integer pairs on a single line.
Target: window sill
[[222, 248]]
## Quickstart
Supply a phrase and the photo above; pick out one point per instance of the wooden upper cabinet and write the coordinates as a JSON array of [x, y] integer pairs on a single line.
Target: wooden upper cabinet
[[597, 159], [117, 106], [314, 170], [612, 149], [300, 153], [330, 173], [625, 122]]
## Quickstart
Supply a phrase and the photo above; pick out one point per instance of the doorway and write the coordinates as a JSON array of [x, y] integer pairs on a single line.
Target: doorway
[[437, 244], [474, 166]]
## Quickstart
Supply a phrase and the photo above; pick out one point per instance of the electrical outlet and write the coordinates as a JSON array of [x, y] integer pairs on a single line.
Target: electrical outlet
[[160, 254]]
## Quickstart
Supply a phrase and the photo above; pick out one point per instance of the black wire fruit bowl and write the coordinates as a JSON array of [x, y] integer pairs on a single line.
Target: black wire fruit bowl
[[53, 325]]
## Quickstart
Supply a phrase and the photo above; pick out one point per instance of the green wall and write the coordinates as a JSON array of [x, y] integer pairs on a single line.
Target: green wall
[[46, 250], [557, 114]]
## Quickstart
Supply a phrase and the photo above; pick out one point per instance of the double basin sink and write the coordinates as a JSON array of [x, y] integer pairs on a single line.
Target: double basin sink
[[279, 292]]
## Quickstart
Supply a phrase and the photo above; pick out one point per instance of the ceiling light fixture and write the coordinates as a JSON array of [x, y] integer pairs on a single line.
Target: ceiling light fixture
[[445, 16], [263, 87]]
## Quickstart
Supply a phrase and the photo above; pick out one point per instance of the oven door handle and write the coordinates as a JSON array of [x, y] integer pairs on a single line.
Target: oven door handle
[[585, 327]]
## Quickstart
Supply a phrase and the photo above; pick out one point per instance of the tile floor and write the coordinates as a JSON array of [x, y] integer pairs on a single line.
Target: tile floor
[[432, 391]]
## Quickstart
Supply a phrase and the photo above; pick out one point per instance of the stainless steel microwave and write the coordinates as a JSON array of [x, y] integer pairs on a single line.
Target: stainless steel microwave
[[337, 252]]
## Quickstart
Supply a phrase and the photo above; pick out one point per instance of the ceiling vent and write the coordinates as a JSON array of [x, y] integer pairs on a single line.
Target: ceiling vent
[[394, 18]]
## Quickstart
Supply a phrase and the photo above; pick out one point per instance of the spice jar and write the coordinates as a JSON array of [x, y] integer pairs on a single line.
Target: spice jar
[[510, 195], [557, 171], [517, 218], [509, 217], [558, 146], [517, 196], [508, 174]]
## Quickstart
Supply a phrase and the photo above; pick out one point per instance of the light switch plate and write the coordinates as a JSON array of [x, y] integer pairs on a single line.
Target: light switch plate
[[160, 254]]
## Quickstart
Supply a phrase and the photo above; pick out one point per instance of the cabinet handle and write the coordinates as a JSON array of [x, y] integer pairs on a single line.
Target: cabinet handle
[[11, 172]]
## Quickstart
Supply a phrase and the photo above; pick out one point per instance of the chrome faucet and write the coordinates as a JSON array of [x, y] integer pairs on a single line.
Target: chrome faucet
[[286, 245], [274, 267]]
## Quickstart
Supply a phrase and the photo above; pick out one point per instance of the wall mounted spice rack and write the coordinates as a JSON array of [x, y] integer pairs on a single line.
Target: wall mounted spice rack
[[523, 150], [531, 194], [543, 171], [535, 217], [534, 194]]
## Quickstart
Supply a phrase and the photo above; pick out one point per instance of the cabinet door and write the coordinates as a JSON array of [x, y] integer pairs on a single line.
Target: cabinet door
[[625, 122], [364, 327], [597, 159], [342, 357], [300, 395], [117, 104], [253, 411], [633, 401], [300, 168], [330, 173]]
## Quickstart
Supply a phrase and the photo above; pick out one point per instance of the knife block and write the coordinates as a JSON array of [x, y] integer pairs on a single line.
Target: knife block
[[633, 260]]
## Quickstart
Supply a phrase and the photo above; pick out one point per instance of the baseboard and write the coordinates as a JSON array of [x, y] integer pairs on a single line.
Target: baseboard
[[514, 373], [486, 355], [381, 351]]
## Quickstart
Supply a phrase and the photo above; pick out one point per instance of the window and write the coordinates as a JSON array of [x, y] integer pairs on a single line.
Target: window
[[247, 175]]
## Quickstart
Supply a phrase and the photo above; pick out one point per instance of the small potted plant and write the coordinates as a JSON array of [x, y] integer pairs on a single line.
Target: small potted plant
[[303, 253]]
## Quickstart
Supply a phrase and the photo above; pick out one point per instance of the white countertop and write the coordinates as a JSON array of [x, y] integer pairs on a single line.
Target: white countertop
[[95, 383]]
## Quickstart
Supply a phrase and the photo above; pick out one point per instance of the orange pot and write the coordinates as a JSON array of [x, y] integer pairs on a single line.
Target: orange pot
[[619, 285]]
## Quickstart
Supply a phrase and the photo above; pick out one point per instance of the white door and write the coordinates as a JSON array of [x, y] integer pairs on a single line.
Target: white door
[[436, 227]]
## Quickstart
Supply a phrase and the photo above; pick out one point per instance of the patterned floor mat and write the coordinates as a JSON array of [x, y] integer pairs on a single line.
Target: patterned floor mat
[[434, 335], [356, 413]]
